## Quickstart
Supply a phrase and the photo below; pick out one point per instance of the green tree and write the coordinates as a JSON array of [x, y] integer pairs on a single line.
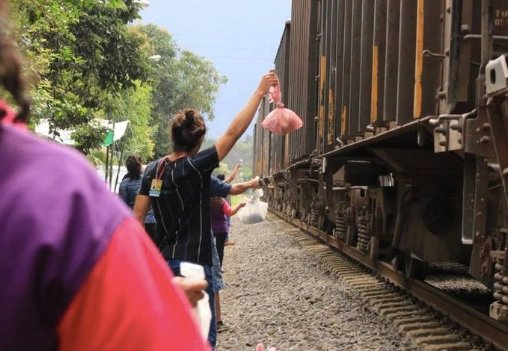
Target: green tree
[[180, 79], [87, 62], [80, 53], [134, 105]]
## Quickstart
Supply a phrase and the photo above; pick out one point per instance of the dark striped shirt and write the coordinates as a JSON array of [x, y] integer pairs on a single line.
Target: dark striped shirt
[[182, 210]]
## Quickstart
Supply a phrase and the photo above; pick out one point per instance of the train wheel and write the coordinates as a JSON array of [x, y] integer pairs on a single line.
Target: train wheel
[[414, 268]]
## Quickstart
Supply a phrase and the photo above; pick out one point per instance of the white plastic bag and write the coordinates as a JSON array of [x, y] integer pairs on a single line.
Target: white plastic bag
[[202, 310], [255, 210]]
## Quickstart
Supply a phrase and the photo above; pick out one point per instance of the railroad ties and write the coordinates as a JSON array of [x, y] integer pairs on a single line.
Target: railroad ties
[[420, 323]]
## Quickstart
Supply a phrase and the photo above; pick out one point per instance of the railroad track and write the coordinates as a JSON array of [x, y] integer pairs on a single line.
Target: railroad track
[[412, 305]]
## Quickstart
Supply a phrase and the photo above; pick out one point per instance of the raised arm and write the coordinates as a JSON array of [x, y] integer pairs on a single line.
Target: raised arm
[[233, 210], [240, 188], [233, 174], [242, 120]]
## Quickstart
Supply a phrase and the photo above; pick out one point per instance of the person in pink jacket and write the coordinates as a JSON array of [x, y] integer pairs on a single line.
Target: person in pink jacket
[[77, 271]]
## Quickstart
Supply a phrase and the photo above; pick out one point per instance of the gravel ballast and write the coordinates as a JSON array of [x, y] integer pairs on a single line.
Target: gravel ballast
[[278, 294]]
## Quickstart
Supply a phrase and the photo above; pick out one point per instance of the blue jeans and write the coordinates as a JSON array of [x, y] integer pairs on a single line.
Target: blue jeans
[[212, 334]]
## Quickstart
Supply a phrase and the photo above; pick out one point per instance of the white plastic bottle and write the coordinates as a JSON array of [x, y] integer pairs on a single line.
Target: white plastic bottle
[[202, 309]]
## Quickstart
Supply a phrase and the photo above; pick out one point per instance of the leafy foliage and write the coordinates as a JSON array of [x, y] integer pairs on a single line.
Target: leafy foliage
[[79, 52], [181, 79], [87, 62], [134, 104]]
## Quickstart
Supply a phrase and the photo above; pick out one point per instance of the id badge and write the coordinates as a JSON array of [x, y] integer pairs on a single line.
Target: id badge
[[155, 188]]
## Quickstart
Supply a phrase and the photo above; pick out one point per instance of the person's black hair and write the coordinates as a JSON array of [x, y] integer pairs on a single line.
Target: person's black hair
[[133, 164], [221, 176], [187, 130]]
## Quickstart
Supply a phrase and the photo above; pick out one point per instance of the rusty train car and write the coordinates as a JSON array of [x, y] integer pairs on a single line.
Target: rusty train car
[[403, 155]]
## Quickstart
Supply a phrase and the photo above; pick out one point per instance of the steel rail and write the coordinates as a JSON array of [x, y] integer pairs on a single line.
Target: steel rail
[[490, 330]]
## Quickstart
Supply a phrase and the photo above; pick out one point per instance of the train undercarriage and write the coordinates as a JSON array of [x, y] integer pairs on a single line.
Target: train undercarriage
[[414, 195], [402, 162]]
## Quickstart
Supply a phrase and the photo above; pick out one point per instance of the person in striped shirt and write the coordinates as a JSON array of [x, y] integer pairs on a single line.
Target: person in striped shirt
[[178, 188]]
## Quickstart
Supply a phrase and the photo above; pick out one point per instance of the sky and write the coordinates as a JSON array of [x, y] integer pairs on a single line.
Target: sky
[[240, 38]]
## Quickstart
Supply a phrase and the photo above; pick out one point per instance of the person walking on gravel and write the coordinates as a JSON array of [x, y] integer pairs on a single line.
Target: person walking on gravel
[[129, 188], [229, 180], [178, 187], [221, 189], [221, 213]]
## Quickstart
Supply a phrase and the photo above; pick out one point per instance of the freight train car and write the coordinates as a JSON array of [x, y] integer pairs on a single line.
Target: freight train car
[[403, 155]]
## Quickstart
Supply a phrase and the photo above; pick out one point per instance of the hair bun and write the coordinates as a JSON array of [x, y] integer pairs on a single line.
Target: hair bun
[[189, 118], [187, 130]]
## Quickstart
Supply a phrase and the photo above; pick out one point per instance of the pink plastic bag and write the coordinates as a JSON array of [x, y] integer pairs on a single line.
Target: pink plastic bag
[[281, 120]]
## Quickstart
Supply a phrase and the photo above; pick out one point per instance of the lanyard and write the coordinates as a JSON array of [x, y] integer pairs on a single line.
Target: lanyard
[[159, 172]]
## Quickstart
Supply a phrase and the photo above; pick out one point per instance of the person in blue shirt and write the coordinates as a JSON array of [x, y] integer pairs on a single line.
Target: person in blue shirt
[[222, 189], [129, 188]]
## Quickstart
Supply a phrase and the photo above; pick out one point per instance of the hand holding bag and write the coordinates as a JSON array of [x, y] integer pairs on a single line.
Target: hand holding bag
[[281, 120], [255, 210]]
